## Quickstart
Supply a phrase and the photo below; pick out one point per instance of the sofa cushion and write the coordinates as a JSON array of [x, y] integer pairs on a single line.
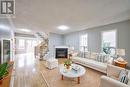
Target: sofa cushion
[[92, 63], [79, 59], [96, 64]]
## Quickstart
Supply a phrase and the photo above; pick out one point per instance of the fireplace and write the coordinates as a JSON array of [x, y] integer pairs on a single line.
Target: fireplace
[[61, 52]]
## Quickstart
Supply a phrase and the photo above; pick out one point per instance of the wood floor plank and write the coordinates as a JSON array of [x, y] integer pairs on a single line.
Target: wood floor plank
[[27, 72]]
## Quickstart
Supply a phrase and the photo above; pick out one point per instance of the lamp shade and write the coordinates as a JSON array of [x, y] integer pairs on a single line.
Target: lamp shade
[[120, 52]]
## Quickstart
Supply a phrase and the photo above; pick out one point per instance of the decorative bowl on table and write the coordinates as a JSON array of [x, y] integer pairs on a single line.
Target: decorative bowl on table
[[75, 67]]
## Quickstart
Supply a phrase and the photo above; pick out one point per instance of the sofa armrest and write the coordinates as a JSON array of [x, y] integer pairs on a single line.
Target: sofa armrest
[[109, 82], [113, 70]]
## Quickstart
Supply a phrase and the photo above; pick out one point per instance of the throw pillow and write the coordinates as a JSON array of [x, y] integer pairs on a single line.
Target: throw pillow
[[124, 79], [128, 78], [105, 58], [122, 72], [102, 58], [87, 54], [98, 57], [94, 55], [123, 76], [80, 54]]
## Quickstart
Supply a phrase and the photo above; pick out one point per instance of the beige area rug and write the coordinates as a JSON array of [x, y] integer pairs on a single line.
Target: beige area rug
[[53, 78]]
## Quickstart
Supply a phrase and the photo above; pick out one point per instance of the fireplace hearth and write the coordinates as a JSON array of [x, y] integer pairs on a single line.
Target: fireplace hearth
[[61, 52]]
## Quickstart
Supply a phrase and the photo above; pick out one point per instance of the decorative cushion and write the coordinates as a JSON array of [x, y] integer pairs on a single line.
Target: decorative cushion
[[123, 76], [87, 54], [122, 72], [93, 55], [124, 79], [102, 58], [80, 54], [128, 78], [98, 58]]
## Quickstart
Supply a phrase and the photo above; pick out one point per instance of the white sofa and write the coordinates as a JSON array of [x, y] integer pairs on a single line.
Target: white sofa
[[97, 61], [111, 80], [99, 66]]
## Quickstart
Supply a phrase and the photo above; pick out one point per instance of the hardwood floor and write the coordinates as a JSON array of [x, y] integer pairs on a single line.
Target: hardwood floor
[[33, 73], [27, 73], [54, 78]]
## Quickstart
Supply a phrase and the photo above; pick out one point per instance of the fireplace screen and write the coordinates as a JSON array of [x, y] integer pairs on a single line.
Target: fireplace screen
[[61, 52]]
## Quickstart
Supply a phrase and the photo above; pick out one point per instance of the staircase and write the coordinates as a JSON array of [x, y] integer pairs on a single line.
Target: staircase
[[42, 48]]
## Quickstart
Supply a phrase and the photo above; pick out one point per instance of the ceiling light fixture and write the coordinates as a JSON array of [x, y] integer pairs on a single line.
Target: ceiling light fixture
[[63, 27], [25, 30]]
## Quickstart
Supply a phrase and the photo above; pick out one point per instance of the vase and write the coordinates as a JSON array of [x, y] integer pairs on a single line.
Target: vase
[[68, 67], [1, 83]]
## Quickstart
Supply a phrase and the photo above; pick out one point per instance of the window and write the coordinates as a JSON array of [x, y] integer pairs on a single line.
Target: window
[[21, 44], [84, 42], [109, 41]]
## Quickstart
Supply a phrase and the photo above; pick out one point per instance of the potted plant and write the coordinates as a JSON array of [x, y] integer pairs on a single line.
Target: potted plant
[[67, 64], [3, 71]]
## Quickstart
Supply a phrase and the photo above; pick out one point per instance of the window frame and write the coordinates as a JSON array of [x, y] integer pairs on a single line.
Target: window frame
[[80, 41], [116, 45], [19, 45]]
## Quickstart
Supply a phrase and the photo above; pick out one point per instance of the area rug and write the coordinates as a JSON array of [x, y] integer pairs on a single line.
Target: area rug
[[53, 78]]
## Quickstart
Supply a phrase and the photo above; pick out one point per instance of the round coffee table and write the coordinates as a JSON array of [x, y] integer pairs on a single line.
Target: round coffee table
[[72, 73]]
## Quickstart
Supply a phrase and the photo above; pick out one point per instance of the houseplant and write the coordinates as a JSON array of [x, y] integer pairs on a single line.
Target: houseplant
[[3, 71], [67, 64]]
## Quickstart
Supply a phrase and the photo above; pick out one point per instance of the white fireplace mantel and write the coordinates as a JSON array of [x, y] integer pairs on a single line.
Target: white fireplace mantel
[[61, 47]]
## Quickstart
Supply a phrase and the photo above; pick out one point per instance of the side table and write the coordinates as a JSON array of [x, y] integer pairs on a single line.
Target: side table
[[120, 64]]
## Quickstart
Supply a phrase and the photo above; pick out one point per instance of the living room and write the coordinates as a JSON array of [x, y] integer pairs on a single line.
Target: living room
[[65, 43]]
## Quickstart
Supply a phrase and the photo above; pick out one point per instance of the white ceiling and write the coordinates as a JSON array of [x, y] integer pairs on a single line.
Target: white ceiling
[[46, 15]]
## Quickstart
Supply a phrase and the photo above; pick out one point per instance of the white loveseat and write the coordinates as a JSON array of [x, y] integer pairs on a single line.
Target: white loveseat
[[111, 80], [91, 62]]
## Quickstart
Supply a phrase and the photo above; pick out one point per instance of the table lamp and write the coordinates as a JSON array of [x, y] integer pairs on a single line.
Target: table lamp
[[120, 54]]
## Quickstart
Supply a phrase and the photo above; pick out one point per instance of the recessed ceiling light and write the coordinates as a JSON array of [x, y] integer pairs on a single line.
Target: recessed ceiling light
[[63, 27], [25, 30]]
